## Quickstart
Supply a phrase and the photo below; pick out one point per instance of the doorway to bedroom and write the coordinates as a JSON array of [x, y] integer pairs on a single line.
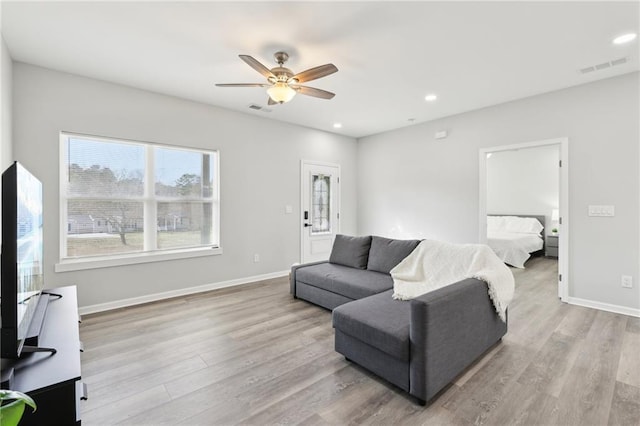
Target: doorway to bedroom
[[523, 202]]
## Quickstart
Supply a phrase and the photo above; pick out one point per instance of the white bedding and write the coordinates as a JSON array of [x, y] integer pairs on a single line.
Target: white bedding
[[513, 248]]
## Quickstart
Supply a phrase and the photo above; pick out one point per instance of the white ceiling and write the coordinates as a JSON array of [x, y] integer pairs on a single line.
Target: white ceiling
[[390, 54]]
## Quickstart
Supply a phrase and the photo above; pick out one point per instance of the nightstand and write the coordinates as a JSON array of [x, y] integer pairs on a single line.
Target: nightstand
[[551, 246]]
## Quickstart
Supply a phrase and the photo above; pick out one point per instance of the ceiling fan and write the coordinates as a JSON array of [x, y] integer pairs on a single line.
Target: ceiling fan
[[283, 84]]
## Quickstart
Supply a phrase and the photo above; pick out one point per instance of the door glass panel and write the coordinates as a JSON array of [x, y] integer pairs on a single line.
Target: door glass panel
[[320, 204]]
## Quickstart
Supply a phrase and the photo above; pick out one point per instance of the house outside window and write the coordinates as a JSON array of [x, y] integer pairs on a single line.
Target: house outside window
[[124, 200]]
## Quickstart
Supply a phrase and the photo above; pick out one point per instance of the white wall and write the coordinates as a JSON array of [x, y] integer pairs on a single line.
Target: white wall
[[260, 174], [524, 181], [411, 185], [6, 83]]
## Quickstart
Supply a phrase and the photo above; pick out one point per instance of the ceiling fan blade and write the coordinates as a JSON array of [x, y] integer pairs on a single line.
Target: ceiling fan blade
[[271, 101], [243, 85], [314, 73], [253, 63], [312, 91]]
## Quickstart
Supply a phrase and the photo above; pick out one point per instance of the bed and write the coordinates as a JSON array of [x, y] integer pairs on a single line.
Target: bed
[[514, 238]]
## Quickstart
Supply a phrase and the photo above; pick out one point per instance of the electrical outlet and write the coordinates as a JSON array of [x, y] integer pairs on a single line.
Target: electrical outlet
[[627, 281], [256, 258]]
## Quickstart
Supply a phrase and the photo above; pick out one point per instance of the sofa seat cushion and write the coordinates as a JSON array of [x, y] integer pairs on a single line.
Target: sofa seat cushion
[[379, 321], [349, 282]]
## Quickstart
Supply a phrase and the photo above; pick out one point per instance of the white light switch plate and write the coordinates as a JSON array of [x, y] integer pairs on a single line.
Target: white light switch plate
[[602, 211]]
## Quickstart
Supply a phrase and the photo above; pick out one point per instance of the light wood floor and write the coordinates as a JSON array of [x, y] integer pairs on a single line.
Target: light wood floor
[[253, 355]]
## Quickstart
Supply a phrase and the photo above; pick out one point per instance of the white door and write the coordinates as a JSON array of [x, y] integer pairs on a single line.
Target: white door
[[320, 219]]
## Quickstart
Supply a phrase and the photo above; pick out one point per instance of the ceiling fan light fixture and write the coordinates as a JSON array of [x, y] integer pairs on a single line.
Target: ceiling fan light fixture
[[283, 83], [281, 93]]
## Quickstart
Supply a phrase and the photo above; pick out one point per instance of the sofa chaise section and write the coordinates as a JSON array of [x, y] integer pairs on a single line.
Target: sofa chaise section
[[374, 333], [423, 344]]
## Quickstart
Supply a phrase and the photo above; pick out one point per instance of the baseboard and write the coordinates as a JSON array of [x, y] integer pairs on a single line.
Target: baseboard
[[123, 303], [604, 306]]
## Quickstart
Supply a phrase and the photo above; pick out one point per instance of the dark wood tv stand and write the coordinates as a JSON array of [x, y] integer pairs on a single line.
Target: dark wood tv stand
[[53, 380]]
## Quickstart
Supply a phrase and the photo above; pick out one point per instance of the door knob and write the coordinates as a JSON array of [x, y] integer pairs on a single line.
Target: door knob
[[307, 225]]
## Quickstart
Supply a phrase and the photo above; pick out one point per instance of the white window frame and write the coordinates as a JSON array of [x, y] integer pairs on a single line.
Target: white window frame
[[66, 264]]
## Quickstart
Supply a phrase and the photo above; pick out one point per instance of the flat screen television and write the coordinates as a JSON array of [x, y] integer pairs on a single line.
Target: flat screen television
[[21, 258]]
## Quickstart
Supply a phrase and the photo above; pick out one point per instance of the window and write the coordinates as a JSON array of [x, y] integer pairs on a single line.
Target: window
[[127, 200]]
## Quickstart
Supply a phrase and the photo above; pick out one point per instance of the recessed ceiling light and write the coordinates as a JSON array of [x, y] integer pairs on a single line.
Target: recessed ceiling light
[[431, 97], [337, 125], [625, 38]]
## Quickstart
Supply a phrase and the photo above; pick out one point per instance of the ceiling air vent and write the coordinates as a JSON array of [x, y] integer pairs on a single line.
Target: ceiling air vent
[[604, 65], [259, 108], [618, 62]]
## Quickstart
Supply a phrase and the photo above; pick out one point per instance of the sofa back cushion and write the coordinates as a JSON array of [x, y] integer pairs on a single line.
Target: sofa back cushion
[[350, 251], [386, 253]]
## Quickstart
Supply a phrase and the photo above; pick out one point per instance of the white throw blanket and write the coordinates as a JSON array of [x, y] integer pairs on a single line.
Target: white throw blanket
[[435, 264]]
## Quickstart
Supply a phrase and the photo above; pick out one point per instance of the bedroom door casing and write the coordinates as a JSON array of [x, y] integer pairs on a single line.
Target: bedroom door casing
[[563, 235]]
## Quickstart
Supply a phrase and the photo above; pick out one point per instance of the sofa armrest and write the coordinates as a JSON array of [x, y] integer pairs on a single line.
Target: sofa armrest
[[449, 329], [292, 275]]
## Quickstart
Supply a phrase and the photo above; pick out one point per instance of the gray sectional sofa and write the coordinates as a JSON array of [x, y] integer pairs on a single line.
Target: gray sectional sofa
[[419, 345]]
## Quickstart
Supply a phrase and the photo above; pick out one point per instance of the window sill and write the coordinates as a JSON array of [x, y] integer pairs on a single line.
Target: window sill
[[67, 265]]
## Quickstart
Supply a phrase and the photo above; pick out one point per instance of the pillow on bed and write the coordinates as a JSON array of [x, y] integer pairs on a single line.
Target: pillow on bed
[[496, 223], [523, 225]]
